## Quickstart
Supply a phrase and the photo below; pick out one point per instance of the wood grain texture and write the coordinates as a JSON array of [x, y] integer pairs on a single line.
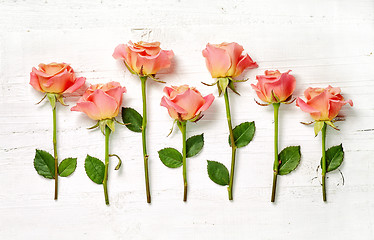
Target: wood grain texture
[[323, 42]]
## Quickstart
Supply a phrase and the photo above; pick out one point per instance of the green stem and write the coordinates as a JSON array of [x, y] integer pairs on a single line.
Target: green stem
[[276, 160], [55, 151], [183, 130], [324, 161], [144, 143], [233, 146], [105, 182]]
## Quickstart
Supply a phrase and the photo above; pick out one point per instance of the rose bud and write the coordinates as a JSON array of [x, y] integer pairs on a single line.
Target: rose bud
[[226, 60], [275, 87], [323, 104], [185, 103], [101, 101], [143, 58], [55, 78]]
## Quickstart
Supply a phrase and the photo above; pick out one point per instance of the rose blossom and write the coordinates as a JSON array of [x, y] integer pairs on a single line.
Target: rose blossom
[[184, 102], [281, 85], [144, 58], [101, 101], [226, 60], [55, 78], [323, 104]]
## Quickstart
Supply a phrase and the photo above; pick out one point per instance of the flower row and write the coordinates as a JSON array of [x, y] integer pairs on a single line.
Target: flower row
[[226, 62]]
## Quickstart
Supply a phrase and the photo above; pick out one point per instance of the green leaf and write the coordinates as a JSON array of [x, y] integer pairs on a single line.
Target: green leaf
[[194, 145], [318, 125], [218, 173], [134, 120], [94, 169], [334, 157], [171, 157], [243, 134], [289, 159], [44, 164], [67, 167]]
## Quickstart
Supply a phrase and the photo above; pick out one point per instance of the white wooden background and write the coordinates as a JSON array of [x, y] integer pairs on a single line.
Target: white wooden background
[[322, 41]]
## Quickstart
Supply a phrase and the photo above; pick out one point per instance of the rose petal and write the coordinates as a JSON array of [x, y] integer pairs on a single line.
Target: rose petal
[[305, 107], [285, 86], [350, 102], [151, 48], [116, 93], [53, 68], [321, 102], [58, 83], [172, 112], [244, 63], [270, 74], [335, 106], [152, 64], [174, 106], [174, 91], [262, 86], [40, 73], [79, 82], [34, 82], [234, 50], [310, 92], [106, 104], [120, 52], [259, 93], [168, 90], [135, 47], [190, 101], [217, 60], [88, 108], [170, 53], [208, 101], [132, 60], [333, 90]]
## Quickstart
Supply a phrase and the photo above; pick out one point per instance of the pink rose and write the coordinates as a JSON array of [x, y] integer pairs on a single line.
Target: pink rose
[[101, 101], [143, 58], [226, 60], [323, 104], [55, 78], [281, 85], [185, 103]]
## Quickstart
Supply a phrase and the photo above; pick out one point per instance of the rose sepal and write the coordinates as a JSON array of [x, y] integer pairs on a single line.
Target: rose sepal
[[210, 84], [128, 68], [331, 124], [318, 125], [197, 118], [232, 86], [153, 77], [107, 122], [222, 84], [52, 99], [289, 100]]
